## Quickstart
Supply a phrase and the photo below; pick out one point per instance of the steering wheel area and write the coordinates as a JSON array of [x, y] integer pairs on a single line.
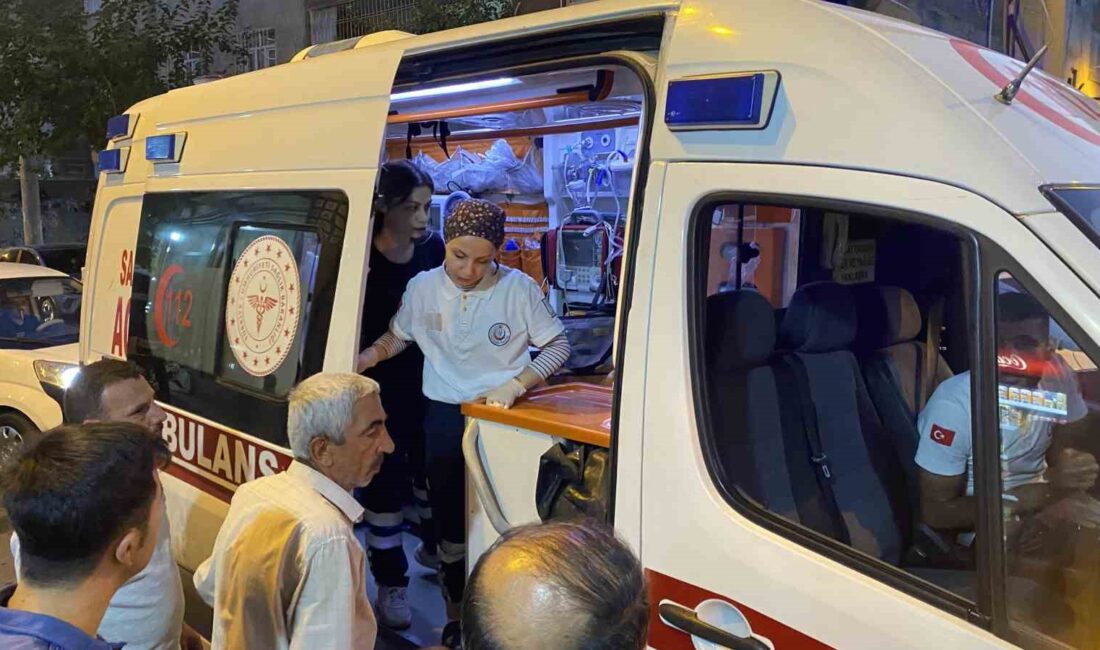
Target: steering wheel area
[[48, 324]]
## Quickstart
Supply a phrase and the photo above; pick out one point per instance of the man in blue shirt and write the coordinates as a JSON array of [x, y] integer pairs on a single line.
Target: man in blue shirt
[[85, 502]]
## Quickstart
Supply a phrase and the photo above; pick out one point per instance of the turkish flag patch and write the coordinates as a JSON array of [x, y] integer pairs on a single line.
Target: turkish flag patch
[[945, 437]]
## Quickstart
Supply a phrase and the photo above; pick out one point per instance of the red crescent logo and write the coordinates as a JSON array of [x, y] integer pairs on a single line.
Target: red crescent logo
[[158, 305]]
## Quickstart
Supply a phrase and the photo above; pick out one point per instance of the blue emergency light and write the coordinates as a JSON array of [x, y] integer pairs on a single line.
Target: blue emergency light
[[162, 148], [118, 127], [735, 101], [112, 161]]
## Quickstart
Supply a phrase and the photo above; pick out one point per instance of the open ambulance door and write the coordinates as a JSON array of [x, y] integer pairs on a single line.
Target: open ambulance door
[[288, 187], [504, 450]]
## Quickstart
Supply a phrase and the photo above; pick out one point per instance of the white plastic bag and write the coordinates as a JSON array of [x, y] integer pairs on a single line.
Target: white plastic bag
[[490, 172], [501, 155], [525, 177], [450, 170], [429, 166]]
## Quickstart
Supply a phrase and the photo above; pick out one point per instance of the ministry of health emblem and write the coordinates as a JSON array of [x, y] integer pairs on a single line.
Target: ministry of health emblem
[[263, 306]]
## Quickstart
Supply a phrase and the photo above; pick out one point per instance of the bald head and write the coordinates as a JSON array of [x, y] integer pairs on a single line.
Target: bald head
[[556, 586]]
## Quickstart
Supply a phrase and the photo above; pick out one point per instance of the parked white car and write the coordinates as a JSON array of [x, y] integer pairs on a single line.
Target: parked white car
[[39, 330]]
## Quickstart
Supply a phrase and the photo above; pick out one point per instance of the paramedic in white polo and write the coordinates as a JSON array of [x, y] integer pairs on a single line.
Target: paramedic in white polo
[[474, 320], [1040, 471]]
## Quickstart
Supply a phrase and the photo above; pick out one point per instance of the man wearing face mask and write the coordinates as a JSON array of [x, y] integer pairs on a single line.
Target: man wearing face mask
[[474, 320]]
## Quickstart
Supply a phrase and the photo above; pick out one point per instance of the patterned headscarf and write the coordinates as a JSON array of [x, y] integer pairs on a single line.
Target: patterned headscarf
[[476, 218]]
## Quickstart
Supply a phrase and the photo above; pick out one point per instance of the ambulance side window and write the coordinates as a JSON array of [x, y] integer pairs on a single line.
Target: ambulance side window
[[231, 300], [1049, 408], [812, 376]]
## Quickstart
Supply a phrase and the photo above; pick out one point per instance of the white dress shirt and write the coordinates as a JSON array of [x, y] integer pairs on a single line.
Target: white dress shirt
[[287, 571], [146, 613], [474, 341]]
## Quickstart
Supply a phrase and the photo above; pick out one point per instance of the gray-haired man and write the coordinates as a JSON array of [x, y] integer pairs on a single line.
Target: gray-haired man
[[287, 570]]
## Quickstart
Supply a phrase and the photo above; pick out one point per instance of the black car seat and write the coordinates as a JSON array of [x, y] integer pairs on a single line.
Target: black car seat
[[743, 398], [856, 469], [796, 432]]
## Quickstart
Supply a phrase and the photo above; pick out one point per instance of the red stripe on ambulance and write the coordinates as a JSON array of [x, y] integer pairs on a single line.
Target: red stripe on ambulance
[[765, 629], [217, 460]]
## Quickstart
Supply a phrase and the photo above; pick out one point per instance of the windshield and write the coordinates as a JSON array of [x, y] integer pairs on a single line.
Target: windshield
[[1081, 204], [66, 260], [39, 312]]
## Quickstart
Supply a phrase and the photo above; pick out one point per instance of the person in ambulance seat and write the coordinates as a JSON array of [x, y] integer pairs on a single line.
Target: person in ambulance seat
[[401, 248], [1045, 480], [474, 319]]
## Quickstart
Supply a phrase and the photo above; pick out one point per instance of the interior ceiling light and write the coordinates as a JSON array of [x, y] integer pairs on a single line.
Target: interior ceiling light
[[455, 89]]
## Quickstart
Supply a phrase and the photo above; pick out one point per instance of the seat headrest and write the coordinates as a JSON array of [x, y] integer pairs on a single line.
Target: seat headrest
[[820, 318], [887, 315], [740, 330]]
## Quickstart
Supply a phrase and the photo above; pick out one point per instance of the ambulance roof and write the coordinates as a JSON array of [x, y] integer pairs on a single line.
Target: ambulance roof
[[858, 91], [864, 91]]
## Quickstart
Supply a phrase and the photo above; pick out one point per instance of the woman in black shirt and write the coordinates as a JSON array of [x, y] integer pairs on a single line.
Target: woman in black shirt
[[402, 247]]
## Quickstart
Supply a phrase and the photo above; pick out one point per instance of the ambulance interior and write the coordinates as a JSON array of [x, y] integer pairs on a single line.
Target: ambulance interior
[[821, 336], [557, 151]]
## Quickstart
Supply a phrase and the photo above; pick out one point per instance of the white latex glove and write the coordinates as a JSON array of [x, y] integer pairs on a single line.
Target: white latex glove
[[367, 359], [505, 395]]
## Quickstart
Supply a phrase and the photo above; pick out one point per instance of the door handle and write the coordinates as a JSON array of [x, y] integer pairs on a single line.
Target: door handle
[[480, 477], [686, 620]]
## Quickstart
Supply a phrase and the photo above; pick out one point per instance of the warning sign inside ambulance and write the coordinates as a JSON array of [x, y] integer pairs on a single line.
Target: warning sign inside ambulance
[[1042, 94], [857, 264], [263, 303], [217, 460]]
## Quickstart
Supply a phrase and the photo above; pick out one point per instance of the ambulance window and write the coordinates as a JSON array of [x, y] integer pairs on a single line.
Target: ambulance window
[[813, 326], [229, 308], [1049, 404], [1080, 204]]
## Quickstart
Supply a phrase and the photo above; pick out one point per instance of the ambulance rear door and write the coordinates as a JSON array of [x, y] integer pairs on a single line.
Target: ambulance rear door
[[229, 260]]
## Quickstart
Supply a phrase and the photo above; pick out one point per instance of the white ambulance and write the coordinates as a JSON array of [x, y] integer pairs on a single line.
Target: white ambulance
[[796, 220]]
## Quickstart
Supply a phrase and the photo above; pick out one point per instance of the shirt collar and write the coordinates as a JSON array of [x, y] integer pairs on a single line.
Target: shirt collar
[[327, 488], [52, 631], [484, 288]]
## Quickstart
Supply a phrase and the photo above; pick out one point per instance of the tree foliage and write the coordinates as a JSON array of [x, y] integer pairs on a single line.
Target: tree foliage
[[438, 15], [65, 73], [41, 45]]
